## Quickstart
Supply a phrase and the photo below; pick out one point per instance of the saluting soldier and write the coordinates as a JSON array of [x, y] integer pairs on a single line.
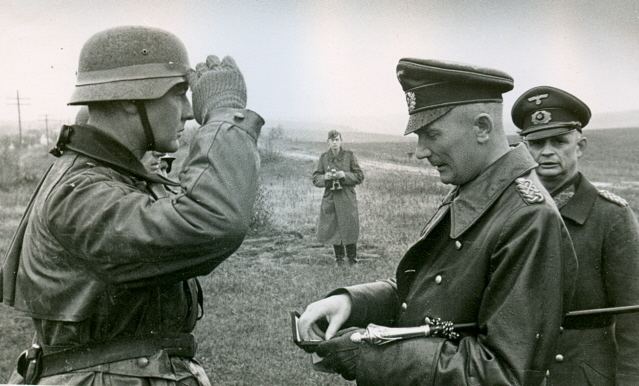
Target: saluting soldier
[[106, 268], [595, 350], [495, 253], [338, 172]]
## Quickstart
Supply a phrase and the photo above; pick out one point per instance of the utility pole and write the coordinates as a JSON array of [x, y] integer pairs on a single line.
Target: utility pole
[[46, 129], [19, 102], [19, 121]]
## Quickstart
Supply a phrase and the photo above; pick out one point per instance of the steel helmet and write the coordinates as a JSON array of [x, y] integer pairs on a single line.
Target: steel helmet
[[129, 63]]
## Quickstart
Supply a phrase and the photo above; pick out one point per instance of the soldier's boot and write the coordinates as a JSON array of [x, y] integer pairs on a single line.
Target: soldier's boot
[[351, 253], [339, 253]]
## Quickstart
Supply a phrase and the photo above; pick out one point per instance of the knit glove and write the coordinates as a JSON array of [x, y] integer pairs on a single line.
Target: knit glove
[[215, 85], [340, 353]]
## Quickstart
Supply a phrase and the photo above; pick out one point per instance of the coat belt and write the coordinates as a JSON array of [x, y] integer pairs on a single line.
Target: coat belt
[[77, 358]]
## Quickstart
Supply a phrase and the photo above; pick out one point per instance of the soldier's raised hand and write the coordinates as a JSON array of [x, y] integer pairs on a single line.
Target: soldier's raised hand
[[215, 85]]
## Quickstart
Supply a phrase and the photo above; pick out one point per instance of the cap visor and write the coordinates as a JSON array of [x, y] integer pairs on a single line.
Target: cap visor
[[422, 118], [547, 133]]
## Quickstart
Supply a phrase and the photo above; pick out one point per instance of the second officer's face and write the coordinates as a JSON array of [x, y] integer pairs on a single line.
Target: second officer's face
[[557, 156], [451, 147]]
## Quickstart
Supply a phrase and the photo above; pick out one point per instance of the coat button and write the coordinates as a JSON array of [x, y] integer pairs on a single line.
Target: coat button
[[561, 329], [404, 306], [438, 279], [143, 362], [559, 358], [458, 245]]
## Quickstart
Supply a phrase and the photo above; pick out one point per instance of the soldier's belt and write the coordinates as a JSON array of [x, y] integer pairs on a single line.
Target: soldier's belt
[[182, 345]]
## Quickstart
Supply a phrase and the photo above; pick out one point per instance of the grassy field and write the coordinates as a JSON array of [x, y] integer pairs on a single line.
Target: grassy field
[[244, 337]]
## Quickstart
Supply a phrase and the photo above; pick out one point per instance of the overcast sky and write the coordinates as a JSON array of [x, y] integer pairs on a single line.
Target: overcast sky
[[334, 61]]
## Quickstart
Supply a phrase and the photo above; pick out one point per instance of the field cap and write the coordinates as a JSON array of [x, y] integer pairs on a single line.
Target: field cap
[[545, 111], [433, 88], [334, 134]]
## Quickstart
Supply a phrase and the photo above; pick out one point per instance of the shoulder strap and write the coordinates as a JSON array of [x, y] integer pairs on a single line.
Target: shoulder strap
[[612, 197]]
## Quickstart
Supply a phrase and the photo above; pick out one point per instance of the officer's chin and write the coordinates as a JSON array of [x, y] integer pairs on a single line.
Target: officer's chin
[[169, 147]]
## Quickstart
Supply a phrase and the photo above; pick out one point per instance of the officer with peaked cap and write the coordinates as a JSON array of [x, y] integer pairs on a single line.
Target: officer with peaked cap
[[105, 267], [600, 350], [495, 253]]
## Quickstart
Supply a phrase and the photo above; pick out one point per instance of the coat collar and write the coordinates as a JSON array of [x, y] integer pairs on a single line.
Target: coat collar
[[93, 143], [477, 196], [578, 208], [338, 156]]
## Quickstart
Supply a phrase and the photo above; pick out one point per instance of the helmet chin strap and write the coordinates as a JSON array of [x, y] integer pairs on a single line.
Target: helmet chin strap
[[148, 132]]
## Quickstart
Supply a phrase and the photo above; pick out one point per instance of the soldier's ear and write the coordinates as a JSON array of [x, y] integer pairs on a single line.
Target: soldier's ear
[[582, 144], [482, 127]]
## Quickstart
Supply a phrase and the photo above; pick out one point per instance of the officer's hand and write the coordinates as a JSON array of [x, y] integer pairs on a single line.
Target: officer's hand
[[215, 85], [340, 353], [335, 309], [340, 174]]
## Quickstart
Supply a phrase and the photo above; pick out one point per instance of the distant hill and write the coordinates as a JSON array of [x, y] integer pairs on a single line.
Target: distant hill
[[317, 132], [619, 119]]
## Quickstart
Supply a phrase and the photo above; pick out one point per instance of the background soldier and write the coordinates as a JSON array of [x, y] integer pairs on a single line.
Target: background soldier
[[338, 172], [601, 350], [107, 269], [496, 252]]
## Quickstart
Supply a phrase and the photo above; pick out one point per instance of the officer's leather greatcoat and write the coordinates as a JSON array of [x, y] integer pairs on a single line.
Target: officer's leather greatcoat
[[496, 253], [104, 258], [338, 220], [591, 350]]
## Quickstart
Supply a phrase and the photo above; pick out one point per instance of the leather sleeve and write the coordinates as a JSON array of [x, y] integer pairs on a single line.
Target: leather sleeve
[[127, 237], [374, 302]]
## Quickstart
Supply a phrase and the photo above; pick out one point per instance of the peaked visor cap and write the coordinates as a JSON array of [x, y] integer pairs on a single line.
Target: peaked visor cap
[[433, 88]]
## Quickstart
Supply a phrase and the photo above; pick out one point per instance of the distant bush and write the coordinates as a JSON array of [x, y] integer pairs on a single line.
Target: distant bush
[[24, 166], [261, 220], [269, 144]]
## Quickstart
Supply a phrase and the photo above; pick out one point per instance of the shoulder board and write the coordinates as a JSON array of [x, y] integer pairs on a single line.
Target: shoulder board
[[528, 191], [612, 197]]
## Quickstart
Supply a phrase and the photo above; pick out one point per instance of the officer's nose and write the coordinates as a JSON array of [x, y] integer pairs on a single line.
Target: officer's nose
[[547, 149], [187, 111]]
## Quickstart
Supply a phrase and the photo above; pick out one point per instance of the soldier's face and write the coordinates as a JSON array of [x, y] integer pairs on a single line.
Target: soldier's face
[[168, 115], [450, 146], [557, 156], [335, 143]]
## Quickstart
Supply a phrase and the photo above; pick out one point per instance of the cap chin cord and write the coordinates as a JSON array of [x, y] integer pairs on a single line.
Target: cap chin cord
[[144, 118]]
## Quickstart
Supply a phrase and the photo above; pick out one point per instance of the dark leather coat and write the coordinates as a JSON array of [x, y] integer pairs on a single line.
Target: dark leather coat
[[496, 253], [105, 258]]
